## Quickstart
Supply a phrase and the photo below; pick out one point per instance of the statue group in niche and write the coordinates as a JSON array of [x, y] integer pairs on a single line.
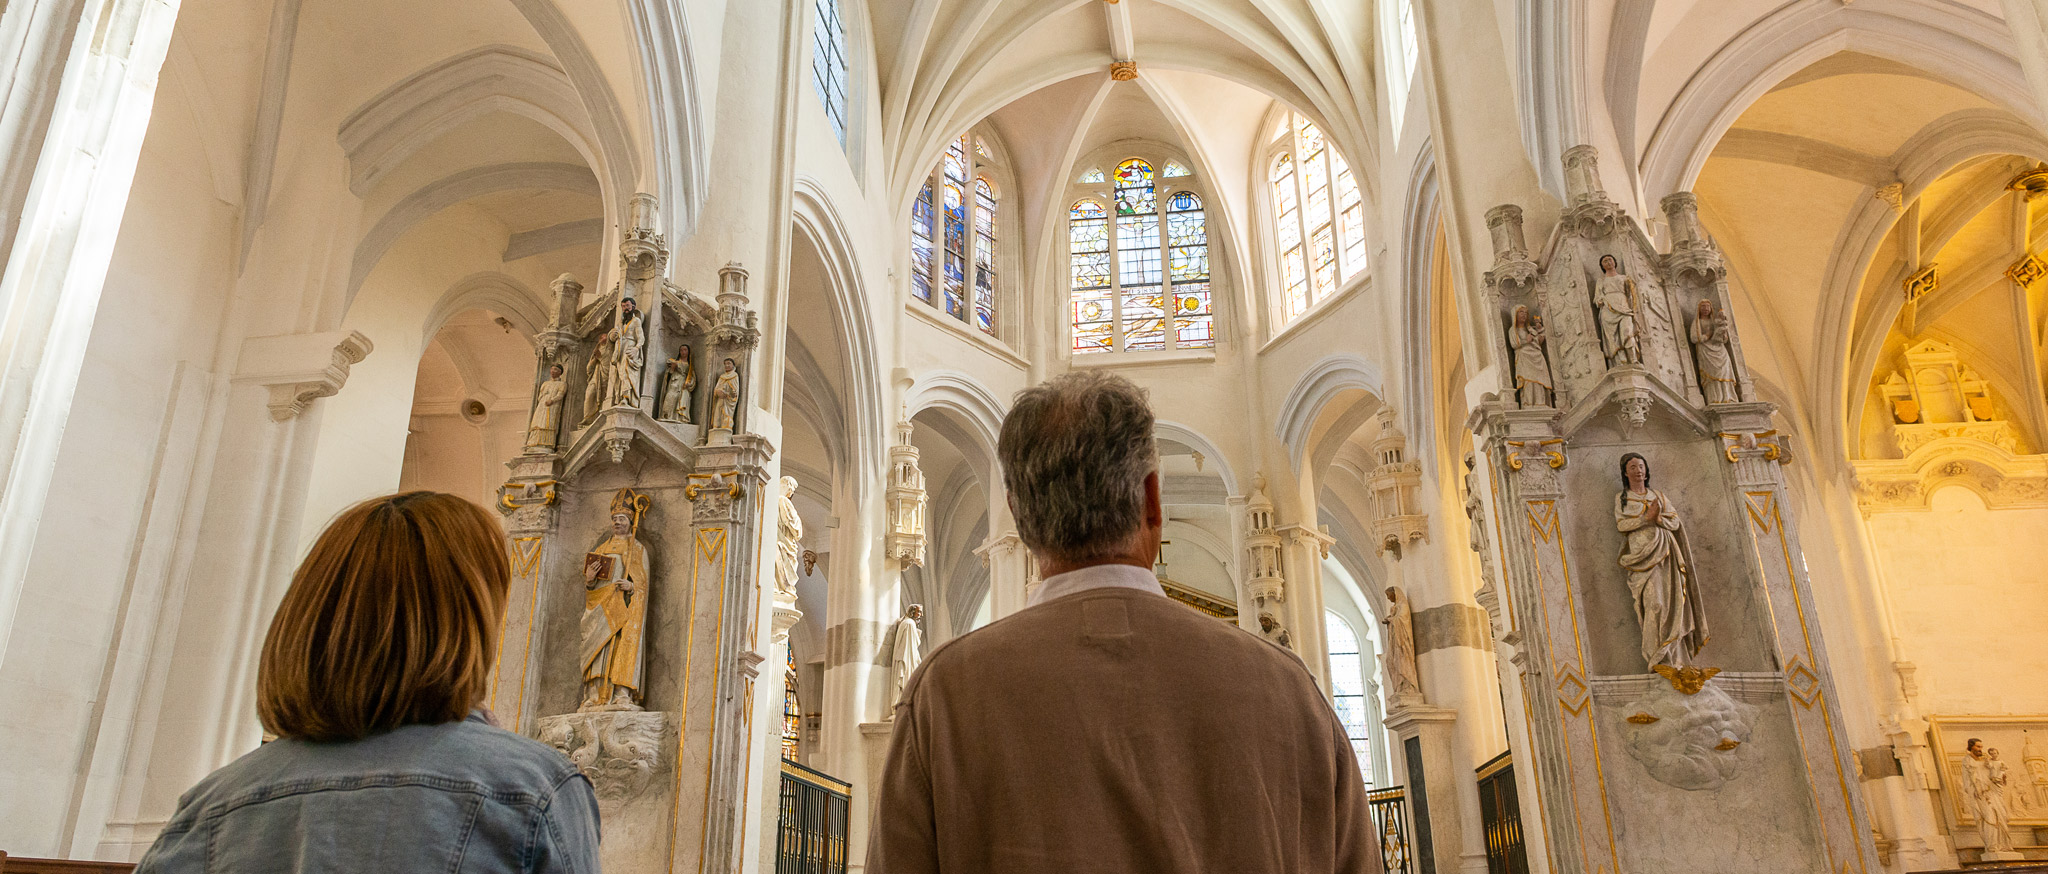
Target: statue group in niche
[[906, 655], [1533, 384], [1660, 569], [678, 388], [615, 577], [1714, 353], [546, 420], [1620, 324], [1984, 784]]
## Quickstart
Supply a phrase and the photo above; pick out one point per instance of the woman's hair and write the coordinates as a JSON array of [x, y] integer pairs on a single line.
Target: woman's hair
[[392, 619]]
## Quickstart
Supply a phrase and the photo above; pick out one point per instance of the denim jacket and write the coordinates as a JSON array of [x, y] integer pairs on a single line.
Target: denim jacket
[[458, 797]]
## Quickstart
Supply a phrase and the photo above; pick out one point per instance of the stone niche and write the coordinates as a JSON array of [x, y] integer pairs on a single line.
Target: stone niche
[[1716, 736]]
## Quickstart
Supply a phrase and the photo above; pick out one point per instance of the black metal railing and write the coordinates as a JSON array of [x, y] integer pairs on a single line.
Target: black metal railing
[[1501, 812], [810, 834], [1390, 817]]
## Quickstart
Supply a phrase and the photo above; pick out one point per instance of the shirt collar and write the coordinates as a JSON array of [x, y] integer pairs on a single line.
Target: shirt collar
[[1097, 576]]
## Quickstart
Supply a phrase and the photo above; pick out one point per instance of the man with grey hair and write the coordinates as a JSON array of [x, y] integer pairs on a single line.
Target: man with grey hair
[[1106, 727]]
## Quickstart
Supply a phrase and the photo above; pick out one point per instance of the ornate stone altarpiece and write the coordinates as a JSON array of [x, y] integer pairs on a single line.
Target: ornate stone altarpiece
[[1733, 750], [2022, 742], [667, 758]]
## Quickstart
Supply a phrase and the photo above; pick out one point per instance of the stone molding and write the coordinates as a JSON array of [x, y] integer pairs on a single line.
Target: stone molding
[[300, 368]]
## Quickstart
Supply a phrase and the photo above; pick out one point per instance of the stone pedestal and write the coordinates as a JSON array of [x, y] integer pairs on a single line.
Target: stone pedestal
[[1423, 743], [874, 743], [630, 758]]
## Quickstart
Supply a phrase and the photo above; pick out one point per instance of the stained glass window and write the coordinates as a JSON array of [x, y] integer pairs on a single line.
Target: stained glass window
[[1132, 289], [1094, 175], [828, 65], [956, 228], [921, 245], [1347, 688], [1173, 169], [1187, 242], [1319, 233], [792, 713], [984, 255], [953, 254], [1088, 237]]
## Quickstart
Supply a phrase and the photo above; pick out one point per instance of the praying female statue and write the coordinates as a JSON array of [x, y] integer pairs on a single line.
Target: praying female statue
[[1661, 574], [1532, 369], [615, 576], [1716, 357], [678, 388], [1616, 296]]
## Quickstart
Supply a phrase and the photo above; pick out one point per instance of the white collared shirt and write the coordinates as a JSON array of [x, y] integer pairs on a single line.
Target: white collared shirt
[[1096, 576]]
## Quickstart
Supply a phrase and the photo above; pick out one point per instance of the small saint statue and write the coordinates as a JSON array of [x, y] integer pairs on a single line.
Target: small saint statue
[[1532, 369], [678, 388], [630, 357], [1402, 671], [1660, 569], [599, 372], [1716, 356], [725, 398], [546, 418], [789, 543], [615, 577], [1620, 333], [907, 655]]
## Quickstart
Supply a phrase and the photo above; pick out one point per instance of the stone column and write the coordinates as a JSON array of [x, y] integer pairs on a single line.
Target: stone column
[[1423, 752], [1009, 571], [83, 81]]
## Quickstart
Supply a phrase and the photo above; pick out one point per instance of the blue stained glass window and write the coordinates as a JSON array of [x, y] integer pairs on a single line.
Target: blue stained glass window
[[984, 256], [921, 245]]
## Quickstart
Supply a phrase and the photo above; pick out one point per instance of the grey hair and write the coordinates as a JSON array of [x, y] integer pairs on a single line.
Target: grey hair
[[1075, 452]]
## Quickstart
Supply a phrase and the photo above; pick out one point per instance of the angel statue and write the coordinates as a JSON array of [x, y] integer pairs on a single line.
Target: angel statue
[[1661, 574]]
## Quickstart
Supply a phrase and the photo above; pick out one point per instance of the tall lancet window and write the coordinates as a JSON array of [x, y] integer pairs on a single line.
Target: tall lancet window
[[793, 713], [954, 256], [1134, 289], [1347, 689], [1318, 217], [828, 64]]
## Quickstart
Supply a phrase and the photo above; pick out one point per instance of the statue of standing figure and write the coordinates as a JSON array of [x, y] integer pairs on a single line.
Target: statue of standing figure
[[678, 388], [615, 577], [1620, 331], [1532, 368], [1716, 356], [1660, 569], [1984, 783], [907, 654], [631, 357], [546, 419], [1402, 671], [725, 398], [599, 373], [789, 543]]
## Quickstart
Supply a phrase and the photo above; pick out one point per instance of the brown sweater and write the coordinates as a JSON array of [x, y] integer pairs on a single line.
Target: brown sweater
[[1114, 730]]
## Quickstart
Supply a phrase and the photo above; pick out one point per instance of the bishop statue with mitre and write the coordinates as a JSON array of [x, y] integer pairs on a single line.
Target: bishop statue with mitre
[[615, 611]]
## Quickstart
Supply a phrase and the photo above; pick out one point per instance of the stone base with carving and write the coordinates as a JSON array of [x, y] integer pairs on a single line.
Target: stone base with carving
[[630, 758]]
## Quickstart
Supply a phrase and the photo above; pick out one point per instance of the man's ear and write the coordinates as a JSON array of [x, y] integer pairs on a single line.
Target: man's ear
[[1155, 513]]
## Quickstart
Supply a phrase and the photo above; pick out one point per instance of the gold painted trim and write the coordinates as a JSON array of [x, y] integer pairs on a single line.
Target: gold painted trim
[[1688, 680]]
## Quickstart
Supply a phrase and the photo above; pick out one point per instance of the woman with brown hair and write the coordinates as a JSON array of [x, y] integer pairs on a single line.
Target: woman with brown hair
[[371, 678]]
